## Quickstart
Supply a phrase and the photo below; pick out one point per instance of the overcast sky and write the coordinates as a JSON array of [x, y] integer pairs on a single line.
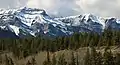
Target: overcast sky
[[104, 8]]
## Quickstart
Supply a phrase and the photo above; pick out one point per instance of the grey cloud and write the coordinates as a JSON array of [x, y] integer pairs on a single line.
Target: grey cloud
[[67, 8], [61, 7], [105, 8], [12, 3], [7, 3]]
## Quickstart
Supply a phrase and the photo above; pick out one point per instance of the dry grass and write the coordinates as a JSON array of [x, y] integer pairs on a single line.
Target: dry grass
[[40, 57]]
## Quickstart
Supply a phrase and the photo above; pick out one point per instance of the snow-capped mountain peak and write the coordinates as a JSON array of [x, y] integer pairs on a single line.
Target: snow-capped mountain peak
[[32, 22]]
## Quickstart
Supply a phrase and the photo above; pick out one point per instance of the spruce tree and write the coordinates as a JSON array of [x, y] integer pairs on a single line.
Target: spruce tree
[[93, 56], [77, 59], [1, 59], [99, 59], [47, 61], [33, 61], [11, 61], [54, 60], [7, 62], [61, 60], [117, 60], [72, 62], [87, 60], [28, 63], [108, 58]]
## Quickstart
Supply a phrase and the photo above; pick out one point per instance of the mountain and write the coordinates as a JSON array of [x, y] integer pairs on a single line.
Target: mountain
[[25, 22]]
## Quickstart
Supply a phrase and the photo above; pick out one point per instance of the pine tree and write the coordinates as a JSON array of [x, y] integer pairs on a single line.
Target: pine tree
[[28, 63], [87, 60], [6, 60], [77, 59], [72, 62], [93, 56], [108, 58], [54, 60], [11, 61], [1, 59], [47, 61], [61, 60], [33, 61], [99, 59], [117, 61]]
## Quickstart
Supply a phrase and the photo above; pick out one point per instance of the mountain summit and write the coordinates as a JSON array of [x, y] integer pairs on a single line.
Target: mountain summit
[[25, 22]]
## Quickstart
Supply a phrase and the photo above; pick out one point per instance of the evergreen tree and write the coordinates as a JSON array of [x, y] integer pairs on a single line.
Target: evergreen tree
[[47, 61], [54, 60], [72, 62], [7, 60], [87, 60], [33, 61], [61, 60], [108, 58], [1, 59], [93, 56], [11, 61], [99, 59], [77, 59], [117, 61], [28, 63]]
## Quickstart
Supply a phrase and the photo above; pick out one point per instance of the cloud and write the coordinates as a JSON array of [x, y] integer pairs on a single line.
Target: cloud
[[105, 8], [12, 3], [40, 3], [56, 7], [53, 7]]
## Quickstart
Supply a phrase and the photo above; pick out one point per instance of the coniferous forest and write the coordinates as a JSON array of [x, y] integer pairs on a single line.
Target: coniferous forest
[[99, 49]]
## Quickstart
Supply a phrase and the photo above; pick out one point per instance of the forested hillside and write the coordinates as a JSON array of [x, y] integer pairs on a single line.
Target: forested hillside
[[92, 42]]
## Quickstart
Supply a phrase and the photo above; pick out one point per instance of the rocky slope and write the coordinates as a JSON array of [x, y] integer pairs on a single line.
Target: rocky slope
[[25, 22]]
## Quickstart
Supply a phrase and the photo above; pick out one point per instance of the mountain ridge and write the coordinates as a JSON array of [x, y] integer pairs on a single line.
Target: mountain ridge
[[25, 22]]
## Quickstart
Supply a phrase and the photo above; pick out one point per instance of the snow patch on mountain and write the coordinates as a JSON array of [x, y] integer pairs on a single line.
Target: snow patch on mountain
[[31, 21]]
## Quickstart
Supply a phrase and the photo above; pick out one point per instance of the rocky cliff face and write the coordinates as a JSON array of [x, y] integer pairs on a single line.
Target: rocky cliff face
[[25, 22]]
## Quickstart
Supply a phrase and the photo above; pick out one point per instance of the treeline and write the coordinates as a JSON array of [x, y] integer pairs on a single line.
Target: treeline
[[24, 47], [92, 57]]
